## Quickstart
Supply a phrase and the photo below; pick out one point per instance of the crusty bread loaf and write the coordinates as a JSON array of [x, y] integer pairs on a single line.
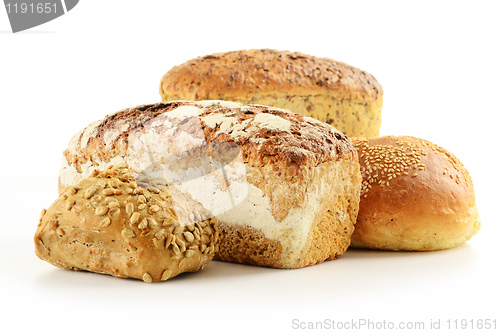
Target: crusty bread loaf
[[415, 196], [109, 224], [331, 91], [285, 195]]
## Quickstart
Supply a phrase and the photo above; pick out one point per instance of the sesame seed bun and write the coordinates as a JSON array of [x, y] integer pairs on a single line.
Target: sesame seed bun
[[415, 196]]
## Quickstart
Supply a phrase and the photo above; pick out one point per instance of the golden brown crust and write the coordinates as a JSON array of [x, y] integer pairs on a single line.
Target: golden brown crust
[[346, 97], [108, 224], [240, 73], [306, 142], [415, 196], [284, 155]]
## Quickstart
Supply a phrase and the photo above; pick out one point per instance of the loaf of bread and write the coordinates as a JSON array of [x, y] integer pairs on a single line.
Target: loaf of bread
[[331, 91], [109, 224], [415, 196], [284, 188]]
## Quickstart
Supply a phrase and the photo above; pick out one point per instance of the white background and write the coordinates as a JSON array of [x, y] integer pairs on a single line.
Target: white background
[[438, 64]]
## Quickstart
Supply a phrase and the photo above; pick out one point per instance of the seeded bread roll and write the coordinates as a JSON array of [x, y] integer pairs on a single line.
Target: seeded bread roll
[[108, 224], [415, 196], [283, 187], [331, 91]]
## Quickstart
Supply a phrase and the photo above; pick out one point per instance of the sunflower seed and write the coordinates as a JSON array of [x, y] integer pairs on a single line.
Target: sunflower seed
[[188, 236], [189, 253], [141, 206], [197, 216], [108, 191], [152, 223], [160, 234], [203, 247], [154, 208], [72, 190], [114, 183], [142, 199], [181, 244], [101, 210], [135, 218], [96, 198], [147, 278], [127, 233], [168, 222], [208, 230], [114, 204], [105, 222], [169, 240], [166, 275], [172, 212], [70, 203], [176, 249], [143, 224], [129, 208]]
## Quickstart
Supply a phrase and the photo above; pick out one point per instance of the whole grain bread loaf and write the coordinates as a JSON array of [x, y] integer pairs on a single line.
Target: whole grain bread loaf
[[346, 97]]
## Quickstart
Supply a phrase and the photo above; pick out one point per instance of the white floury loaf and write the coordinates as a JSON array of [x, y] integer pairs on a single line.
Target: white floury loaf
[[284, 187]]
